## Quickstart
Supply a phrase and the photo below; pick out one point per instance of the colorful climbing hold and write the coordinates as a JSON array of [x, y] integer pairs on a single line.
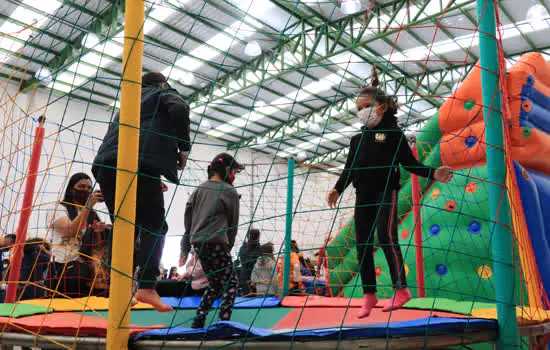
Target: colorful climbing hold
[[405, 233], [469, 104], [484, 271], [471, 187], [378, 271], [526, 131], [435, 193], [474, 227], [530, 80], [526, 106], [406, 268], [441, 269], [450, 206], [435, 230], [471, 141]]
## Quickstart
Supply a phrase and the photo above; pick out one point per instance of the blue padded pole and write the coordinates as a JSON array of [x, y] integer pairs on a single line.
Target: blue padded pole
[[496, 164], [288, 227]]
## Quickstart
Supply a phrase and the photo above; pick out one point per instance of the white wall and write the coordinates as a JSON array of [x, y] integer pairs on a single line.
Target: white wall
[[74, 130]]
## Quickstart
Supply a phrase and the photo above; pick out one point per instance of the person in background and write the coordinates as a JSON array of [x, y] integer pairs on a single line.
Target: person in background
[[173, 275], [264, 274], [36, 255], [248, 255], [211, 224], [372, 167], [164, 143], [295, 274], [69, 220], [195, 273]]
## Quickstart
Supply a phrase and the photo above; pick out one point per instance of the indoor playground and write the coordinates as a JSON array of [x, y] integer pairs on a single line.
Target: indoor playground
[[274, 84]]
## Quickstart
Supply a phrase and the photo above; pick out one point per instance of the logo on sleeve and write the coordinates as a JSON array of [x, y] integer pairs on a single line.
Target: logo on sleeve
[[380, 137]]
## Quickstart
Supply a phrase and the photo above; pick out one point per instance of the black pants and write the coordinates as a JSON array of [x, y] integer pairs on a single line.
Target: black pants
[[222, 281], [378, 211], [178, 289], [150, 223]]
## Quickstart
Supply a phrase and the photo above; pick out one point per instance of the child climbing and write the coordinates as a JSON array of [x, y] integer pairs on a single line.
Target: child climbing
[[211, 222], [372, 166]]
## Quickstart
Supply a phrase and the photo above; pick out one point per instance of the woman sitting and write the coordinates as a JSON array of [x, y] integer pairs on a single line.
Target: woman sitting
[[264, 274], [36, 255], [69, 221]]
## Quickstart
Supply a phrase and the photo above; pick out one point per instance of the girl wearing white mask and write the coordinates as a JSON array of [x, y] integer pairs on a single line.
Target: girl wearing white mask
[[372, 167]]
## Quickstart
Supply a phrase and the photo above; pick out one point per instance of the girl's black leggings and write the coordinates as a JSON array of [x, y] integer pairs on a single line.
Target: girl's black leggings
[[378, 212]]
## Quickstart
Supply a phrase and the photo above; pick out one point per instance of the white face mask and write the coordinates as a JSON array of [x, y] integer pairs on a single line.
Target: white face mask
[[369, 116]]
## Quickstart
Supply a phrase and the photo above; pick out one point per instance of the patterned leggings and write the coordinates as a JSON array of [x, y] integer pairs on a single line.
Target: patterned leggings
[[222, 281]]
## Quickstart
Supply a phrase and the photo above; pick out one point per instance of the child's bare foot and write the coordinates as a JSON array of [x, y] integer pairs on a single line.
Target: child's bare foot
[[151, 297]]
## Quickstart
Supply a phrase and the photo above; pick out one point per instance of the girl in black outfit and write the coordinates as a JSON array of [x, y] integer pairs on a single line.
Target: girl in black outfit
[[372, 166]]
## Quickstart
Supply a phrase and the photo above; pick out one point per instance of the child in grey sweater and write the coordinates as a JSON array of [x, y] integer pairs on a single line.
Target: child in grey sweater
[[211, 222], [264, 274]]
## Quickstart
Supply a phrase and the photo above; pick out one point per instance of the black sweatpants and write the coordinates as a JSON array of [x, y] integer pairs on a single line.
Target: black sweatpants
[[222, 281], [378, 211], [150, 223]]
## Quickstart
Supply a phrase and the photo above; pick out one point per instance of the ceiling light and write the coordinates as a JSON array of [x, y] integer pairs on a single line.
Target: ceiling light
[[90, 40], [253, 49], [349, 7], [314, 127], [259, 103], [187, 78], [204, 125], [301, 156], [44, 75], [537, 15]]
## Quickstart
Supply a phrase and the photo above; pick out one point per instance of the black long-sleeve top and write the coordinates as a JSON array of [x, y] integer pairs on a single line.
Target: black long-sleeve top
[[374, 158]]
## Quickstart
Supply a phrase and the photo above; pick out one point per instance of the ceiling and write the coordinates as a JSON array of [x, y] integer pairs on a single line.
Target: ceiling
[[278, 76]]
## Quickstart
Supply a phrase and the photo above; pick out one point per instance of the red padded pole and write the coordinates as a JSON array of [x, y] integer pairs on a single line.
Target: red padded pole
[[420, 282]]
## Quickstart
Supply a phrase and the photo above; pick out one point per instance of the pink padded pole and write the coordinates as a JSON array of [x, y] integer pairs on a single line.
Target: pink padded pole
[[15, 265]]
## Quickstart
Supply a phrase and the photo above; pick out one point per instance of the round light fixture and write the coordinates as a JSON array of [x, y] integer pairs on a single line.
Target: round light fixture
[[301, 156], [314, 127], [253, 49], [349, 7], [187, 78], [44, 75], [205, 125]]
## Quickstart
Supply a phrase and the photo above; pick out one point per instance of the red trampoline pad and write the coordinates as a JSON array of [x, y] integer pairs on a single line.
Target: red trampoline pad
[[63, 323], [318, 317]]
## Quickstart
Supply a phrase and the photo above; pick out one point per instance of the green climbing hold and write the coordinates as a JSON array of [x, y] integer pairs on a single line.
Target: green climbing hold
[[469, 104], [526, 131]]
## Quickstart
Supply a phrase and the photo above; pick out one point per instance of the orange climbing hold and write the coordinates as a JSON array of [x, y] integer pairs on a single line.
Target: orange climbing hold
[[435, 193], [484, 271], [471, 187], [405, 233], [450, 206]]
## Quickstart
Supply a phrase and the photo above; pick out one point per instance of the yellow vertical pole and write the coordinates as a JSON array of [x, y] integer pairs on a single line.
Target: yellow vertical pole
[[120, 291]]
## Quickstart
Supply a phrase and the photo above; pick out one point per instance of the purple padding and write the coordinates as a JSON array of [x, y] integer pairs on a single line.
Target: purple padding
[[535, 197], [228, 329]]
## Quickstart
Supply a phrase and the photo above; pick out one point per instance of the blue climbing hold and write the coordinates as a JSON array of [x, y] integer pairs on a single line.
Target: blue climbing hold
[[471, 141], [474, 227], [441, 269], [530, 80], [435, 229]]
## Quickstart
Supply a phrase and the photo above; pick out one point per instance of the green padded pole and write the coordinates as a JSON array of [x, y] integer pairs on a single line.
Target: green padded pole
[[288, 227], [505, 286]]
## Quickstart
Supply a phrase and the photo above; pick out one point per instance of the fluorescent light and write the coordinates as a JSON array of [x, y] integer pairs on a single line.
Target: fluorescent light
[[301, 156], [253, 49], [255, 8], [204, 125], [349, 7]]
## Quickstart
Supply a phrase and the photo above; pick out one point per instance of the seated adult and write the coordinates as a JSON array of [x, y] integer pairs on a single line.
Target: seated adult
[[248, 255], [69, 220], [264, 274]]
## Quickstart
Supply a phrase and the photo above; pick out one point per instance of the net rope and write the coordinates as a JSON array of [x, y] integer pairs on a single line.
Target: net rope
[[455, 220]]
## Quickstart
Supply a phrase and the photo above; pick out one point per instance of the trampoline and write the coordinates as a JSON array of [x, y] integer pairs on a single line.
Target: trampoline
[[307, 322]]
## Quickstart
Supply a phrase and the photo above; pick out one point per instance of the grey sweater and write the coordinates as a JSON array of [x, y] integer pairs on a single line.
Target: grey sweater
[[211, 216]]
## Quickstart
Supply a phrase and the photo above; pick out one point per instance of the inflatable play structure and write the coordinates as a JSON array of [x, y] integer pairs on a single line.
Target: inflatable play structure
[[455, 217]]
